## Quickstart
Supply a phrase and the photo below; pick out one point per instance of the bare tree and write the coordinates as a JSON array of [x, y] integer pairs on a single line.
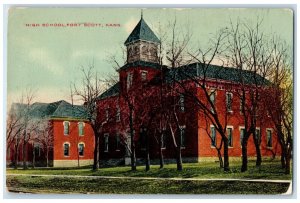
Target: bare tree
[[248, 51], [278, 99], [88, 92]]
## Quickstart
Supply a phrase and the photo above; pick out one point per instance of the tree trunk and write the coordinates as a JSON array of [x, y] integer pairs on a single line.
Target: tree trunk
[[220, 159], [33, 157], [161, 156], [179, 159], [133, 157], [257, 149], [226, 156], [147, 153], [287, 164], [24, 156], [47, 157], [96, 158], [16, 157], [244, 155]]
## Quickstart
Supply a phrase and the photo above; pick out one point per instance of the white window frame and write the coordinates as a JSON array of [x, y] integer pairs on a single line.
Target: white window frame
[[213, 92], [83, 148], [240, 129], [118, 142], [181, 129], [230, 127], [106, 147], [69, 151], [231, 96], [213, 146], [129, 79], [69, 125], [181, 102], [118, 114], [83, 125], [269, 129], [107, 114], [144, 75]]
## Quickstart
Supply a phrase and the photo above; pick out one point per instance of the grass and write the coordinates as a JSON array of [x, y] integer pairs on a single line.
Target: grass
[[268, 170], [125, 186]]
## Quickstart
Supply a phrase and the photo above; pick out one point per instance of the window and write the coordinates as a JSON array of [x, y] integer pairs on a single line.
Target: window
[[230, 136], [81, 149], [213, 136], [66, 149], [37, 150], [66, 127], [229, 101], [181, 102], [81, 128], [257, 134], [212, 98], [182, 136], [242, 134], [241, 105], [269, 138], [106, 142], [144, 75], [129, 80], [106, 114], [118, 114], [117, 142]]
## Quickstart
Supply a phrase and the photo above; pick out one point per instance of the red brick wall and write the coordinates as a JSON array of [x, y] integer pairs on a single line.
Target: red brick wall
[[73, 138]]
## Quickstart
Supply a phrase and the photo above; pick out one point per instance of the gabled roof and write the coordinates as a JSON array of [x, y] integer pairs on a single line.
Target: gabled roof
[[59, 109], [142, 32], [214, 72], [112, 91]]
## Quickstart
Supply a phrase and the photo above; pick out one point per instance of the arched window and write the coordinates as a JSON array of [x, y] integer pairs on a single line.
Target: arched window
[[81, 149], [66, 149]]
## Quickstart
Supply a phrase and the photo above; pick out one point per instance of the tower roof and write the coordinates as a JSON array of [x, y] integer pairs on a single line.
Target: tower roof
[[142, 32]]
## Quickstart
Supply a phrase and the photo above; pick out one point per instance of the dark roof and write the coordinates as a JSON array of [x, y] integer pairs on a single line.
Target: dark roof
[[112, 91], [59, 109], [142, 32], [142, 63], [214, 72]]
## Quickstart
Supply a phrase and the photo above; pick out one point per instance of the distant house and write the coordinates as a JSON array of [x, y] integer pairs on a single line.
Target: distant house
[[57, 133]]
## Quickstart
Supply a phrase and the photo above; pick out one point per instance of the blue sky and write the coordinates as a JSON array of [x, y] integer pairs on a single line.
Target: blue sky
[[49, 58]]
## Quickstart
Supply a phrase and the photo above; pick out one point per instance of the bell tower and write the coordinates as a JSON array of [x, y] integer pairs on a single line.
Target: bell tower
[[142, 44]]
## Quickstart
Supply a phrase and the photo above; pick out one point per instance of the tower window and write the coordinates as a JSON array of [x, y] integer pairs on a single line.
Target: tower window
[[129, 80], [144, 75], [181, 102]]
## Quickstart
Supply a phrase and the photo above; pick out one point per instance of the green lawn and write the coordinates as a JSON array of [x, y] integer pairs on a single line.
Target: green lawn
[[125, 186], [268, 170]]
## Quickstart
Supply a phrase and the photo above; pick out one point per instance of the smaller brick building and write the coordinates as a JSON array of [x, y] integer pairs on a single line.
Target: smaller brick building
[[61, 134]]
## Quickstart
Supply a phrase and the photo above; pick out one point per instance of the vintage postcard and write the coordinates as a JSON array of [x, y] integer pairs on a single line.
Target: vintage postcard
[[149, 100]]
